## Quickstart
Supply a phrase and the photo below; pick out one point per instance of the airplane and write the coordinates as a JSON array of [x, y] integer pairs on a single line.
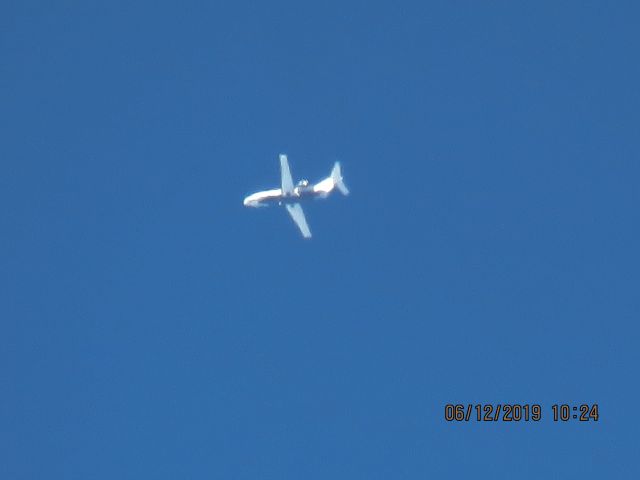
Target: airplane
[[290, 195]]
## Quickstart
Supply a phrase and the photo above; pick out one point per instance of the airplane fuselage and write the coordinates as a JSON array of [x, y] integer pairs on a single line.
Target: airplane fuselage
[[274, 196]]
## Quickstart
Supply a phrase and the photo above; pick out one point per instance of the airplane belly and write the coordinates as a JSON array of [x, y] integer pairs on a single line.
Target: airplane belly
[[324, 187], [267, 196], [297, 198]]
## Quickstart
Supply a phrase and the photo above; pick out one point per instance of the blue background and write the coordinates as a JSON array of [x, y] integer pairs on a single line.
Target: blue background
[[153, 327]]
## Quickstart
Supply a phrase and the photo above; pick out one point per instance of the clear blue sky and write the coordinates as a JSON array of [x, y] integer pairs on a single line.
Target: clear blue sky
[[153, 327]]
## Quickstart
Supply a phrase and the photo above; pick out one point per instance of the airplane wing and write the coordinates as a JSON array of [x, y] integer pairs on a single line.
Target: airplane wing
[[287, 181], [297, 214]]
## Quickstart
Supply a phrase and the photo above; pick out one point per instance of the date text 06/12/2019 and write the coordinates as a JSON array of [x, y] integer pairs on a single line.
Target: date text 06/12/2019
[[524, 412]]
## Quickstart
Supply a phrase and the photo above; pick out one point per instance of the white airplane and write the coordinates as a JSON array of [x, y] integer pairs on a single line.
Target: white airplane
[[290, 195]]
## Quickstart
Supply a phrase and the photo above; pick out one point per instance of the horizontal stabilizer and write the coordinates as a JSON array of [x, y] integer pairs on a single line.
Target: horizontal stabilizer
[[336, 176]]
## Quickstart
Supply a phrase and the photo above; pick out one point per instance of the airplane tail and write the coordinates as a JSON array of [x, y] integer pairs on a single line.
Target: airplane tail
[[336, 176]]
